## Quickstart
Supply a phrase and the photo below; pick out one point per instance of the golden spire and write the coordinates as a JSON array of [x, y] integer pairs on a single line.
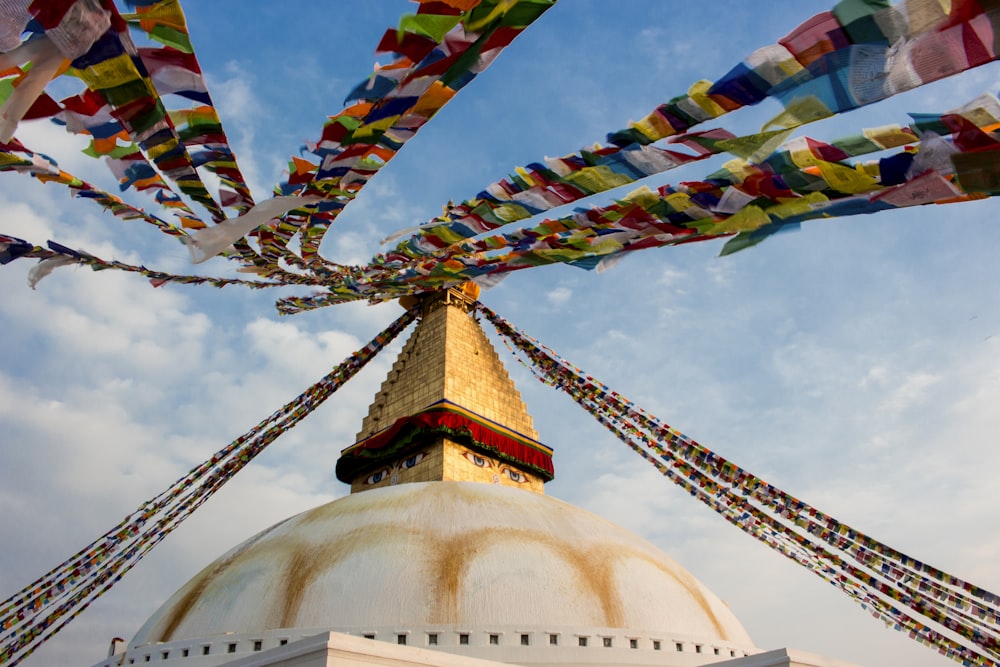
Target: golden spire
[[447, 407]]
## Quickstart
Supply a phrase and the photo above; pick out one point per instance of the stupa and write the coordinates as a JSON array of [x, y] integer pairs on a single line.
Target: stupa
[[447, 550]]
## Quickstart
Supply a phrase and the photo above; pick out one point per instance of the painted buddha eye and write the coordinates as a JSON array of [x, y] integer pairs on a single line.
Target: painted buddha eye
[[411, 461], [514, 475], [377, 477], [477, 460]]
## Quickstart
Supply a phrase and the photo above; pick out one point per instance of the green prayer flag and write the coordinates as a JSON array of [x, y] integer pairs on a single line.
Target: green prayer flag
[[428, 25], [116, 152], [171, 37], [6, 88]]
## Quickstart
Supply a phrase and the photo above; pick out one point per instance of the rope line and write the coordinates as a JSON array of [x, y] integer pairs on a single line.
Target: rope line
[[38, 611], [881, 579]]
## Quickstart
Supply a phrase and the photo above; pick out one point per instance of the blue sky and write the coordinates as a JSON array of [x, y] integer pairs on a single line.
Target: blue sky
[[855, 363]]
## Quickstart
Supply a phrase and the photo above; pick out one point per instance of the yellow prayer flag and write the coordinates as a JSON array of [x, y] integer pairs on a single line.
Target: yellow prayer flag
[[161, 148], [889, 136], [799, 112], [525, 176], [191, 184], [663, 127], [604, 246], [746, 219], [643, 196], [678, 201], [754, 147], [739, 168], [801, 154], [797, 206], [7, 159], [178, 116], [377, 126], [511, 212], [654, 127], [597, 179], [110, 73], [870, 168], [699, 94], [981, 116], [845, 179]]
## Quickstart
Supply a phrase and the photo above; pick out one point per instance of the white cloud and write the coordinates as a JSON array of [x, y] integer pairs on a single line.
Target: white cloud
[[910, 391], [875, 376], [672, 278], [559, 296], [305, 353]]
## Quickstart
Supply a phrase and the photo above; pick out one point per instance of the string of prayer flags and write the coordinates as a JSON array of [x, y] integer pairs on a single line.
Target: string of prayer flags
[[536, 188], [174, 70], [508, 200], [123, 103], [857, 54], [90, 114], [899, 590], [31, 616], [15, 157], [111, 69], [820, 68], [803, 179], [56, 255], [438, 51]]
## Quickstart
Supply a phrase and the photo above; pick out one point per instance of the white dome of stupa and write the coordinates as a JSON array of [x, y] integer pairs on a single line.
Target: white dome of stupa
[[504, 567]]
